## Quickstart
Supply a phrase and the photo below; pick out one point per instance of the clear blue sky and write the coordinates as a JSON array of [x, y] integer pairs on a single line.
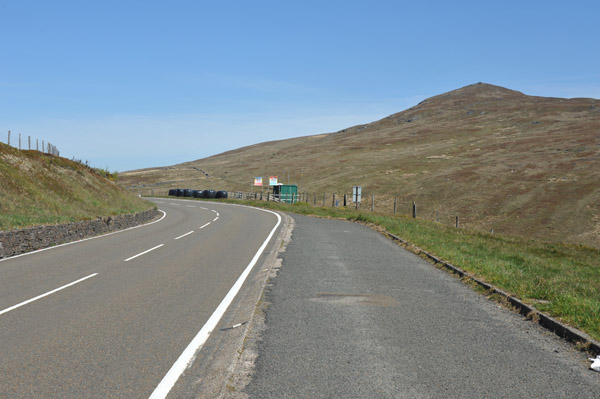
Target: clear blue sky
[[132, 84]]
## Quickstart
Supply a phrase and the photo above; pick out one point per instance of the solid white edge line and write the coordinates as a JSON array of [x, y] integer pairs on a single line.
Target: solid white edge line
[[184, 360], [85, 239], [143, 253], [46, 294], [186, 234], [205, 225]]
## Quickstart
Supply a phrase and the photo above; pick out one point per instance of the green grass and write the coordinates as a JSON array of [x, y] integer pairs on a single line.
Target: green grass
[[38, 189], [561, 280]]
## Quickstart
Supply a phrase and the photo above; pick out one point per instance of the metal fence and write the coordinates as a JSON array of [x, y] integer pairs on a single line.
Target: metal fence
[[26, 143]]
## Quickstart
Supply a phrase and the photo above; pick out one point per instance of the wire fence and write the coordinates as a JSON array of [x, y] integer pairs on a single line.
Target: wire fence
[[26, 143], [383, 204]]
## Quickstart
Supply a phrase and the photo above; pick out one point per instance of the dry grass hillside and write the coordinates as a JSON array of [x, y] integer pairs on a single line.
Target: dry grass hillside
[[497, 158], [38, 188]]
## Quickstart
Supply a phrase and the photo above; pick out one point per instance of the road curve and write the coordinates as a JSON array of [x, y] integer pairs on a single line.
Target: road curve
[[109, 317]]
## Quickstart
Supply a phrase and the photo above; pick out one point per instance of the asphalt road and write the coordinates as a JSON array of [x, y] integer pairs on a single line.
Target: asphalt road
[[110, 316], [352, 315]]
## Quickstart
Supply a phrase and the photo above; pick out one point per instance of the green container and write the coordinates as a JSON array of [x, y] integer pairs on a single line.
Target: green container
[[287, 193]]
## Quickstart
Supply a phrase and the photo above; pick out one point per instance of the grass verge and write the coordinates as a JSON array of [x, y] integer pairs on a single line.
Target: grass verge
[[561, 280]]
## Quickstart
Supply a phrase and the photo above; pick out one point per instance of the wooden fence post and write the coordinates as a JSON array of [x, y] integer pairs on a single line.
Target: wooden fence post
[[395, 204], [333, 202], [457, 222], [8, 138], [19, 141], [372, 202], [345, 200], [324, 199], [414, 209]]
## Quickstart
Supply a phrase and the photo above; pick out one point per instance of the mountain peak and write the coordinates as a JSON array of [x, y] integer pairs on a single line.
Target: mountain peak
[[475, 93]]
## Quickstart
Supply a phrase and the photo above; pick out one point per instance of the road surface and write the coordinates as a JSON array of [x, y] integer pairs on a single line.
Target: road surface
[[353, 315], [109, 317]]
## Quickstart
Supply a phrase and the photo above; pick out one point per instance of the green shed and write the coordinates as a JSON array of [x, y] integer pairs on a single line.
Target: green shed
[[286, 193]]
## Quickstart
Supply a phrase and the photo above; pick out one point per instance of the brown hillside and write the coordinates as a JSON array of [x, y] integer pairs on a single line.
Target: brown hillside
[[502, 160]]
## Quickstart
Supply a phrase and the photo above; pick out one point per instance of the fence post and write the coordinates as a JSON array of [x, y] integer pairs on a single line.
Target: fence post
[[19, 141], [333, 202], [324, 194], [457, 222], [414, 209], [8, 138], [395, 204], [37, 144], [345, 200], [29, 140], [43, 147], [372, 202]]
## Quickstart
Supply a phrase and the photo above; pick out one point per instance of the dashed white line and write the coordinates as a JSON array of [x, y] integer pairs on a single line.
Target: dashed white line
[[190, 206], [170, 203], [205, 225], [143, 253], [215, 219], [46, 294], [186, 234]]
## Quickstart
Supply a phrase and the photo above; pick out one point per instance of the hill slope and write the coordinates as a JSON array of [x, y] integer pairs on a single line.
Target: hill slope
[[499, 159], [37, 188]]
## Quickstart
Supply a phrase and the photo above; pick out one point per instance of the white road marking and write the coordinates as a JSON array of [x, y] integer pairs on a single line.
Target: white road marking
[[143, 253], [46, 294], [215, 219], [186, 234], [186, 358], [170, 203], [190, 206], [86, 239], [205, 225]]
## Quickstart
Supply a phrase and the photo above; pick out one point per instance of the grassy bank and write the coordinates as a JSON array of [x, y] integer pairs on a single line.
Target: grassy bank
[[37, 189], [560, 280]]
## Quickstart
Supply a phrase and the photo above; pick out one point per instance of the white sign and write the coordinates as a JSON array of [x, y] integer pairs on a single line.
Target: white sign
[[356, 193]]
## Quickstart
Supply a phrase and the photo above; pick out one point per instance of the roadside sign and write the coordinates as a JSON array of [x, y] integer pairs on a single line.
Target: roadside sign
[[356, 193], [258, 181], [272, 180]]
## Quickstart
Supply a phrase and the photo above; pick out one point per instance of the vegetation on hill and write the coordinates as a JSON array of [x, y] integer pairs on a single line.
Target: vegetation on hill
[[38, 188], [499, 159]]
